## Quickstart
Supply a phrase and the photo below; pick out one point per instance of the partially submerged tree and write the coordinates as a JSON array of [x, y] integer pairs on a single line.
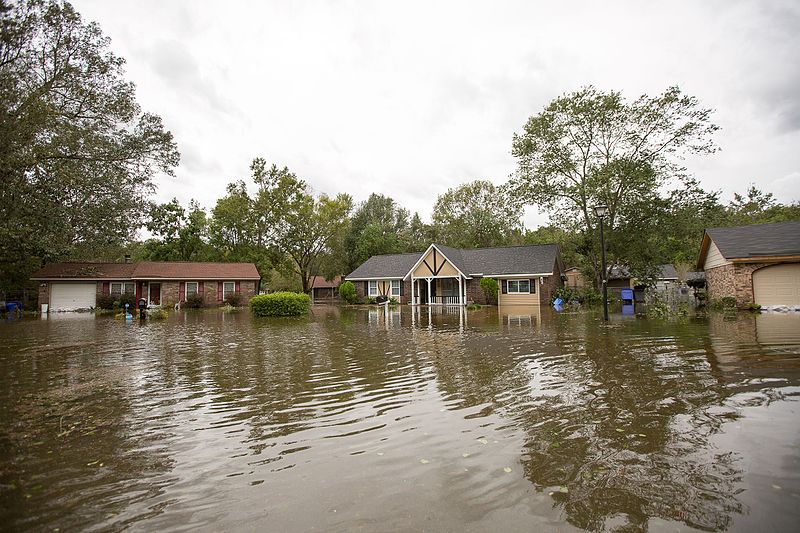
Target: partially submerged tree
[[592, 147], [77, 154]]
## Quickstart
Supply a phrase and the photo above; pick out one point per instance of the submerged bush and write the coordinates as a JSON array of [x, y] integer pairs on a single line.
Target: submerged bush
[[193, 302], [159, 313], [348, 293], [280, 304], [233, 300], [490, 288]]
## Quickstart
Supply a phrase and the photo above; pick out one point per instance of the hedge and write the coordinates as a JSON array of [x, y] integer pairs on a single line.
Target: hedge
[[280, 304]]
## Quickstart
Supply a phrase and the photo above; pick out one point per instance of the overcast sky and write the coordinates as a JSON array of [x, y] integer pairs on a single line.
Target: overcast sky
[[408, 99]]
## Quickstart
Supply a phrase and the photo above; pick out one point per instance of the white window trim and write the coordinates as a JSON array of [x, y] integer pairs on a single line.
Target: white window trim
[[225, 293], [517, 281], [196, 288], [373, 284], [392, 289], [122, 287]]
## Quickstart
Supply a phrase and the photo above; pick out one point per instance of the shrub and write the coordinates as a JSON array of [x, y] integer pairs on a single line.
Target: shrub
[[193, 302], [723, 304], [490, 288], [159, 313], [473, 307], [233, 300], [394, 301], [105, 301], [348, 293], [280, 304]]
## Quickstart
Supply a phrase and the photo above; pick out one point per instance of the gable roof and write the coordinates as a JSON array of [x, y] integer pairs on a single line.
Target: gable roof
[[754, 241], [500, 261], [147, 270], [391, 266], [319, 282]]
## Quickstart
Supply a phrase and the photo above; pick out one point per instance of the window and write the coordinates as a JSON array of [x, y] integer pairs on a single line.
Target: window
[[519, 286], [191, 289], [122, 287], [228, 289], [395, 287], [373, 288]]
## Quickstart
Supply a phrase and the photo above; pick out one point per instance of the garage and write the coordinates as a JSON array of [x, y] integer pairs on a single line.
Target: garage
[[72, 296], [777, 285]]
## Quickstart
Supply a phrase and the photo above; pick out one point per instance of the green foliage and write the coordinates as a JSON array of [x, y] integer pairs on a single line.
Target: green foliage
[[754, 308], [234, 299], [77, 155], [584, 296], [159, 313], [657, 307], [722, 304], [477, 214], [105, 301], [280, 304], [490, 288], [473, 307], [592, 147], [377, 227], [179, 234], [193, 302], [348, 293]]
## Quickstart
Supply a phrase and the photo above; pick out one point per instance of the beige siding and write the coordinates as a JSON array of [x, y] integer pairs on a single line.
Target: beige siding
[[518, 299], [714, 257], [447, 269]]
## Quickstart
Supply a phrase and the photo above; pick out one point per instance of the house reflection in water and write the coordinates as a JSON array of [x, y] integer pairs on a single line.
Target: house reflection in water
[[520, 317]]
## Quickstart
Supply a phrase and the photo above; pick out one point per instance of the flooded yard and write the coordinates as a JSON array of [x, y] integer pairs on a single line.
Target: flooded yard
[[355, 419]]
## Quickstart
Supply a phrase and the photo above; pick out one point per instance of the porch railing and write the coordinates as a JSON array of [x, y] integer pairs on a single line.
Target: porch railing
[[444, 300]]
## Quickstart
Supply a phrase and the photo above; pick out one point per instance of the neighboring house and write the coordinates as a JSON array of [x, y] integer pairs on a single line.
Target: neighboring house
[[619, 277], [322, 289], [451, 276], [669, 279], [75, 286], [754, 264], [574, 278]]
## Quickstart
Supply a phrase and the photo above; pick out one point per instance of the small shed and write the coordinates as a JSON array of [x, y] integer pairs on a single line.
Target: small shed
[[323, 290]]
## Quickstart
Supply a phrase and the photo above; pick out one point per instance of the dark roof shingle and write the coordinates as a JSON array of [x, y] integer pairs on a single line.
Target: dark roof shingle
[[758, 240], [506, 260], [148, 270]]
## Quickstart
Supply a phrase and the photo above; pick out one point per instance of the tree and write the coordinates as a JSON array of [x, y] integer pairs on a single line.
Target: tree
[[77, 154], [179, 235], [476, 214], [291, 221], [377, 227], [592, 147]]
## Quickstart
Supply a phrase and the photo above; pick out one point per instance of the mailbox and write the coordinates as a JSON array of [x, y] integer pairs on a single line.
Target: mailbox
[[142, 308]]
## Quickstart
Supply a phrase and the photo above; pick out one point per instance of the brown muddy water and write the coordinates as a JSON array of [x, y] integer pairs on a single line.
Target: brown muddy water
[[355, 420]]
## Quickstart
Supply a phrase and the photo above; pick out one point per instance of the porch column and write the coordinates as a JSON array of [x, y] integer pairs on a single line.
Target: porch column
[[460, 293], [429, 290]]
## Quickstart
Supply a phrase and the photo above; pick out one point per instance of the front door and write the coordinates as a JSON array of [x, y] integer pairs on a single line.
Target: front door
[[155, 294]]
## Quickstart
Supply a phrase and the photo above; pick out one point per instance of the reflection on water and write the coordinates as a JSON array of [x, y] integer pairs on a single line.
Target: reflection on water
[[401, 419]]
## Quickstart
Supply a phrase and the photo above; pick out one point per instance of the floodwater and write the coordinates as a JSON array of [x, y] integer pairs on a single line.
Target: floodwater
[[359, 420]]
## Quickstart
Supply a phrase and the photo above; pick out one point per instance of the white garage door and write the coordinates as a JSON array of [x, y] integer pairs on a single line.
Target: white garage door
[[777, 285], [72, 296]]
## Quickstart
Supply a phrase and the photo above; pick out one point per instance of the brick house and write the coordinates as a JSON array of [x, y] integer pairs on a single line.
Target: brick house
[[527, 275], [755, 264], [75, 286]]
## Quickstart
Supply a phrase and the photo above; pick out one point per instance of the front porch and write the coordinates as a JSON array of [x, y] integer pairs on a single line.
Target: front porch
[[439, 290]]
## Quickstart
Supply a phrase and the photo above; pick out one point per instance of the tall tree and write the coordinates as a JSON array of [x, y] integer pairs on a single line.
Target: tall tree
[[477, 214], [77, 154], [377, 227], [592, 147], [179, 234]]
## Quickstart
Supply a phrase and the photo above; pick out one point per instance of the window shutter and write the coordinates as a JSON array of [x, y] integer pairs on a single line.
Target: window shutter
[[182, 292], [503, 286], [106, 288], [401, 287], [238, 287], [366, 288], [533, 286], [201, 285], [219, 291]]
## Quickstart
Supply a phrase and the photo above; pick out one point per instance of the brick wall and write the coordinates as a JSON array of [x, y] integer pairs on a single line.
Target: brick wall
[[733, 280], [475, 292]]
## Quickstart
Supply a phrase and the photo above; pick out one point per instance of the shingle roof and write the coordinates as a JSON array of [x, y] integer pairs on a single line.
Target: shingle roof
[[507, 260], [319, 282], [85, 270], [385, 266], [148, 270], [191, 270], [668, 272], [758, 240]]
